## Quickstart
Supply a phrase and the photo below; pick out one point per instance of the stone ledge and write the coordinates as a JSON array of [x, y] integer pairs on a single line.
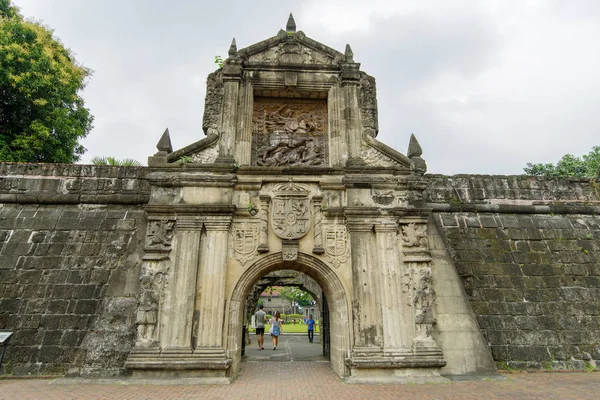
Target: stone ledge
[[394, 363], [143, 381]]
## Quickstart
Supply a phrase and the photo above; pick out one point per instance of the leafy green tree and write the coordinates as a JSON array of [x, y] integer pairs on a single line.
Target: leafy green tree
[[588, 166], [126, 162], [298, 296], [42, 116]]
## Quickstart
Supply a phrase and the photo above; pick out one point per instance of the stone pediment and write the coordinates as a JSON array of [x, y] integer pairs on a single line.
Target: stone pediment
[[290, 48]]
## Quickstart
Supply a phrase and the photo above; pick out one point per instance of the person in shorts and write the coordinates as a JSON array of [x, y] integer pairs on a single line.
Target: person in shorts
[[260, 318]]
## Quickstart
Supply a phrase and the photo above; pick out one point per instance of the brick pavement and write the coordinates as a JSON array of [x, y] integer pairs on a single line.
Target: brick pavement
[[316, 380]]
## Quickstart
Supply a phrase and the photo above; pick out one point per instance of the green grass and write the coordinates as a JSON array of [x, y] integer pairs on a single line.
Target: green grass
[[290, 328]]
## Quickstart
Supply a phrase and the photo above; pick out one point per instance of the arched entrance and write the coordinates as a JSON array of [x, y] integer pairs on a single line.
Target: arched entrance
[[324, 275]]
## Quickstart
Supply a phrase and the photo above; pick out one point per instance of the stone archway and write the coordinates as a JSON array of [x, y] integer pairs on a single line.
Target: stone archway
[[337, 299]]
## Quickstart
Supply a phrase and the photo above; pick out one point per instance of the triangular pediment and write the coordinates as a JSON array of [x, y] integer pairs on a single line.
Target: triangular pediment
[[289, 48]]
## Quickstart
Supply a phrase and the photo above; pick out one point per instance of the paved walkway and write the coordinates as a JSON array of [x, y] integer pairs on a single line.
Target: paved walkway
[[297, 370], [292, 347]]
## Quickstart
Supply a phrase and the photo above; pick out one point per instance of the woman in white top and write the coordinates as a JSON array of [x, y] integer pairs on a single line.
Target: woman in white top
[[275, 329]]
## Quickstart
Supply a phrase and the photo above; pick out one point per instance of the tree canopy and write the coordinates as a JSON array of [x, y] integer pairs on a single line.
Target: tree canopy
[[302, 298], [587, 166], [42, 115]]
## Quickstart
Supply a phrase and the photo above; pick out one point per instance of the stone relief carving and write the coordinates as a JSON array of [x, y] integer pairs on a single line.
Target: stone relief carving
[[152, 283], [290, 218], [292, 53], [160, 233], [423, 299], [292, 133], [414, 236], [289, 250], [213, 101], [374, 158], [368, 105], [206, 156], [383, 197], [245, 241], [337, 249]]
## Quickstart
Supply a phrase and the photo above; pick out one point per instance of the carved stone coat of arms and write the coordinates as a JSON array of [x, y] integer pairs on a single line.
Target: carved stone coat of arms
[[291, 213]]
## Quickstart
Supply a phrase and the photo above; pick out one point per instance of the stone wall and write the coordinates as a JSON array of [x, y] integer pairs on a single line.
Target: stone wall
[[527, 251], [71, 240]]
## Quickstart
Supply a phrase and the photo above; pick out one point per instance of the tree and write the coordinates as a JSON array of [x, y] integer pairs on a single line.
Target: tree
[[126, 162], [586, 167], [42, 115], [297, 296]]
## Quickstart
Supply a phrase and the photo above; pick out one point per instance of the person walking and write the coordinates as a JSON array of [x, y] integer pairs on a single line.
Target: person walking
[[260, 317], [310, 322], [276, 329]]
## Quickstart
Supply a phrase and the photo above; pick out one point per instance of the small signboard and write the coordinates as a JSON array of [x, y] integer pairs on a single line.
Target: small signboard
[[5, 338]]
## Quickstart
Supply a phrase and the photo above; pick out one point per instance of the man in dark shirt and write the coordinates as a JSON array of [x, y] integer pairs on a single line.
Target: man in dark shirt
[[260, 318]]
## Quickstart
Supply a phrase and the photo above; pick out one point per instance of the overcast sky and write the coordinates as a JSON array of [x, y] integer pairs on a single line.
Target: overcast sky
[[486, 86]]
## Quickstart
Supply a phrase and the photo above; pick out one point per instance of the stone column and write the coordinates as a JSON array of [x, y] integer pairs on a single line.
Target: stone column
[[243, 150], [351, 94], [366, 287], [176, 324], [318, 230], [210, 288], [338, 144], [394, 313], [232, 73], [263, 239]]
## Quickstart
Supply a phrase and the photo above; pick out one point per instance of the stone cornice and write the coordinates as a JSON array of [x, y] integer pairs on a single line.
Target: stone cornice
[[184, 210]]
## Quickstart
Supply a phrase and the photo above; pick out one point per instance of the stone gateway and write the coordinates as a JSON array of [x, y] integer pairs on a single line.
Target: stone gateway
[[147, 271], [295, 158]]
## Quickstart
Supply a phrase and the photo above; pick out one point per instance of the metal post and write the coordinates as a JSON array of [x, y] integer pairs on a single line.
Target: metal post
[[244, 327]]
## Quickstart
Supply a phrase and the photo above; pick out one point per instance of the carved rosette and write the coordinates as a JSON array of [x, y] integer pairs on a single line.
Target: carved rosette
[[337, 249], [245, 237], [290, 217]]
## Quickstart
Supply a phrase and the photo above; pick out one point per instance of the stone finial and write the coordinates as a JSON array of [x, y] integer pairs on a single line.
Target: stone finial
[[164, 144], [233, 48], [291, 24], [348, 54], [414, 148]]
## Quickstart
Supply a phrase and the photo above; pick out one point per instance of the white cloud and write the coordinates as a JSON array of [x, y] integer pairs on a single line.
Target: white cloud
[[486, 86]]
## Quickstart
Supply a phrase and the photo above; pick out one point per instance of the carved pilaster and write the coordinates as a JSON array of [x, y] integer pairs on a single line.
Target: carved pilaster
[[366, 287], [318, 230], [395, 316], [210, 288], [263, 240], [177, 313]]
